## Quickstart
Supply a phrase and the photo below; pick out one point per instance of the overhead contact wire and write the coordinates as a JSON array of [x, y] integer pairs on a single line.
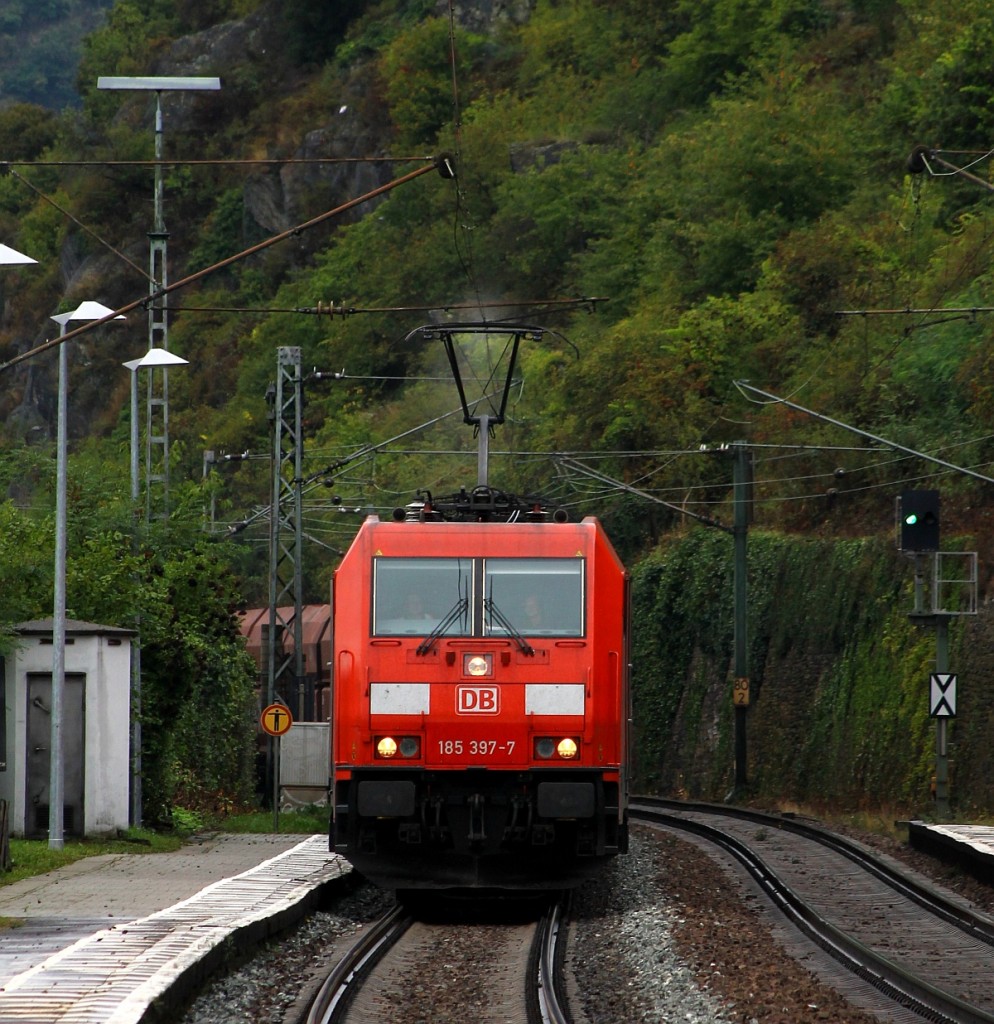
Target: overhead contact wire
[[65, 213], [200, 274]]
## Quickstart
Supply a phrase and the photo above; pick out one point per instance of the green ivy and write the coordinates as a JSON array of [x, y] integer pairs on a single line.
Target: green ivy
[[838, 673]]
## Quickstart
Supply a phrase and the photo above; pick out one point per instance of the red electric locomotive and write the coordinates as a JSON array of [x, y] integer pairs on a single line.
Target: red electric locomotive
[[481, 698]]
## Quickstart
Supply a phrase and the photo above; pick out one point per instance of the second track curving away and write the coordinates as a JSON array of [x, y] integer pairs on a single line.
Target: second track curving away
[[926, 952]]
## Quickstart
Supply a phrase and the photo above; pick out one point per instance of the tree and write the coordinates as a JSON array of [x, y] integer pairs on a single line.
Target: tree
[[197, 677], [418, 72], [26, 130], [198, 703]]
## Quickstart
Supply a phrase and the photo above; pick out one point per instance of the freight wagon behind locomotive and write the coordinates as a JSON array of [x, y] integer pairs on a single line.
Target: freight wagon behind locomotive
[[481, 710]]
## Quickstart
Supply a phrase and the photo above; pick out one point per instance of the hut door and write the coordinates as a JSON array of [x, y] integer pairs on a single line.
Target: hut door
[[39, 736]]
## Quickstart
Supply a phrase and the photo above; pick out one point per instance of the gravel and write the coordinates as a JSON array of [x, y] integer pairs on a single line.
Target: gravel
[[624, 956], [666, 935], [271, 987]]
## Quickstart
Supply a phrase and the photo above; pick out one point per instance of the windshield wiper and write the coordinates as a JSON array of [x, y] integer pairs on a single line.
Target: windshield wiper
[[496, 615], [459, 608]]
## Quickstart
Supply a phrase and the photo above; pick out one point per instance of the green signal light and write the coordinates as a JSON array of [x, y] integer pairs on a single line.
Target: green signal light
[[918, 521]]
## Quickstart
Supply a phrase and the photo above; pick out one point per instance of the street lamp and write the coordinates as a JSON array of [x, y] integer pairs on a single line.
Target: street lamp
[[153, 357], [87, 311], [12, 258], [158, 321]]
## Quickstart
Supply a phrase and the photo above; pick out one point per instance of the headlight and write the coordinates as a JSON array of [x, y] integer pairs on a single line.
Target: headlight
[[410, 746], [478, 665], [407, 746], [545, 747]]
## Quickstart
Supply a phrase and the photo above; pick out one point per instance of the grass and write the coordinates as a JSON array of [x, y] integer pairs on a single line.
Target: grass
[[304, 821], [33, 856], [889, 820]]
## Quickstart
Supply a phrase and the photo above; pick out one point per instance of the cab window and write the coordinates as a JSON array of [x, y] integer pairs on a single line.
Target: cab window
[[412, 596], [533, 596]]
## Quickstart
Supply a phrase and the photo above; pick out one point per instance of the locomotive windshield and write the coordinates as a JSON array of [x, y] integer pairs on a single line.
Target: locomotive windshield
[[413, 596], [478, 597], [536, 596]]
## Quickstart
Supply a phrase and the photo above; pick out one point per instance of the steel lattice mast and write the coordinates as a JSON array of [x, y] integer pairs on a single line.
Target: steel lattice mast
[[285, 676], [157, 405]]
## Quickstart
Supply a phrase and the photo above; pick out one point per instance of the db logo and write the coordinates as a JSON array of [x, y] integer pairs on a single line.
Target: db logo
[[477, 700]]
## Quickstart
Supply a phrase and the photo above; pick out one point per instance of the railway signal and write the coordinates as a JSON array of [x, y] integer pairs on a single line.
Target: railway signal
[[918, 520]]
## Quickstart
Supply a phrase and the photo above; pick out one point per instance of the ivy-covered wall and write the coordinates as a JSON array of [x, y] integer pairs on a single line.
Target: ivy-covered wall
[[839, 677]]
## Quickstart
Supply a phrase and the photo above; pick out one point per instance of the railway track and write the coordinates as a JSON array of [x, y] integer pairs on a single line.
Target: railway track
[[399, 960], [930, 954], [346, 977]]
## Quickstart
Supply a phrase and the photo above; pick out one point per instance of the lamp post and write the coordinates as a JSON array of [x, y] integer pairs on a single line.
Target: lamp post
[[153, 357], [12, 258], [87, 311], [9, 258], [158, 322]]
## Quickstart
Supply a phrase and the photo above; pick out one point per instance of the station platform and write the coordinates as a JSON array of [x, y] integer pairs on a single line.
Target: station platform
[[970, 846], [117, 939]]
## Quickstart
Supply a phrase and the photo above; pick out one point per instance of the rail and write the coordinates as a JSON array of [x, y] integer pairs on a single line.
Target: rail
[[333, 995], [889, 978], [548, 1007]]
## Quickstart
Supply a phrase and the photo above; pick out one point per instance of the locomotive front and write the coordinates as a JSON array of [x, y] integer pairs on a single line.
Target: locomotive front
[[480, 712]]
